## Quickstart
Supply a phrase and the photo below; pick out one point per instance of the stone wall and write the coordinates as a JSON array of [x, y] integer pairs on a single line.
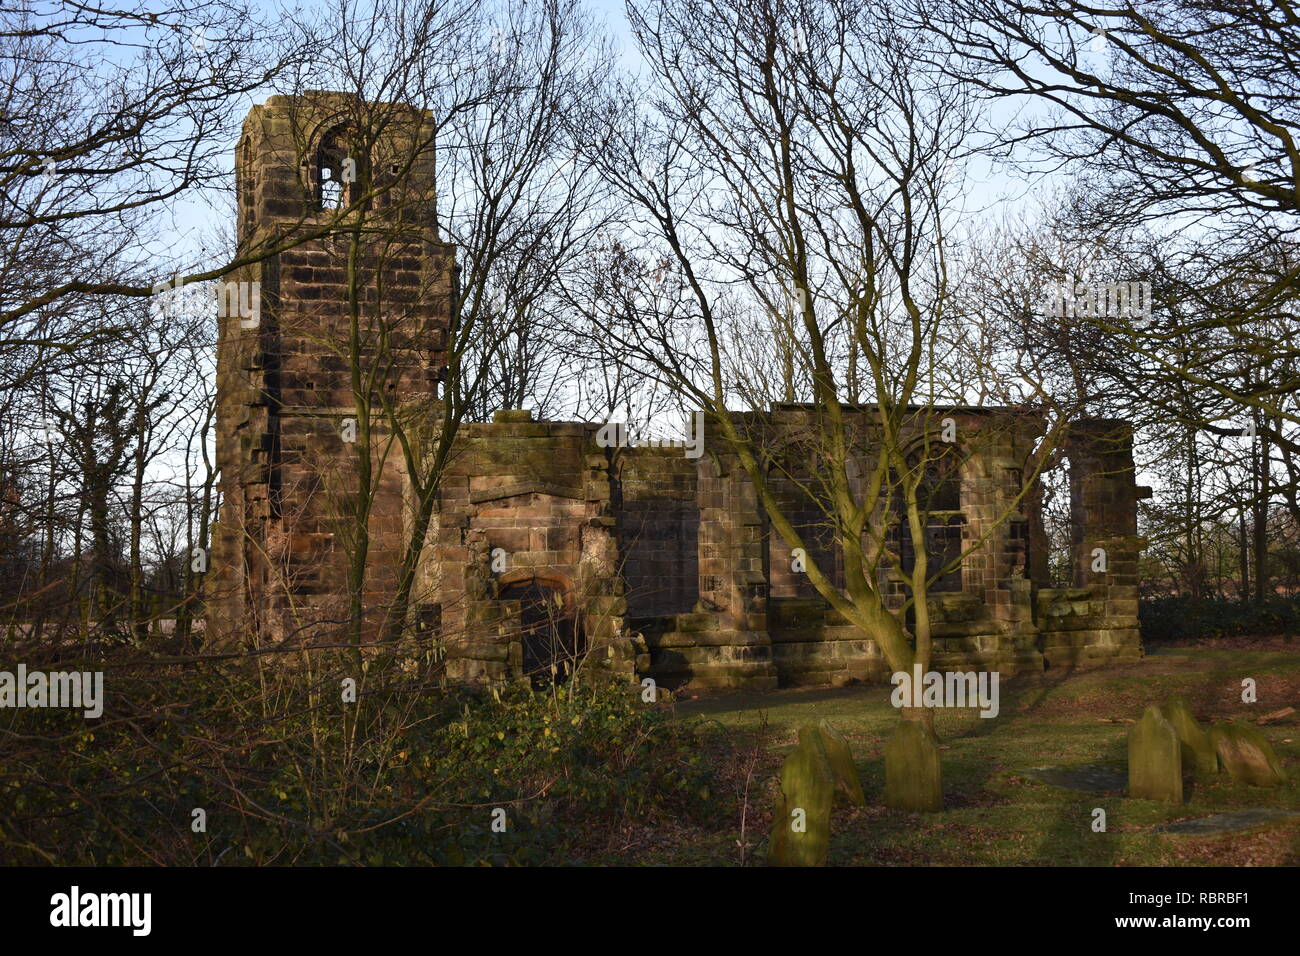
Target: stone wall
[[985, 619], [651, 562], [1096, 620], [526, 503]]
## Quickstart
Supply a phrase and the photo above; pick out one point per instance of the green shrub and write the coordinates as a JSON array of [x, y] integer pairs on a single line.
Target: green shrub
[[571, 768], [1180, 618], [287, 773]]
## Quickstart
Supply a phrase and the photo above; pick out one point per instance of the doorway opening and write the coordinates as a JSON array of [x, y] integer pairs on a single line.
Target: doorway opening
[[548, 631]]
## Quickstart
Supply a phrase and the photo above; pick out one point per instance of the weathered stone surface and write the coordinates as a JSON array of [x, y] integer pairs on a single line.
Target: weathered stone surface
[[847, 782], [1197, 749], [1247, 755], [1155, 759], [801, 825], [912, 776]]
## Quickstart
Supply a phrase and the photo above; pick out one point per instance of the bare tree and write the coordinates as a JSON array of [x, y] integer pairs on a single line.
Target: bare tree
[[1179, 116], [793, 165]]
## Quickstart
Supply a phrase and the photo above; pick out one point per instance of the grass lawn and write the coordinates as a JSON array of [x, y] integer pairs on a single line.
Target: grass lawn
[[995, 814]]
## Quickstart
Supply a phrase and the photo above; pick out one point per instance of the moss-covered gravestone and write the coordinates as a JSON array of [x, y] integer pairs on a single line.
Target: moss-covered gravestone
[[1155, 766], [912, 779], [1247, 755], [801, 827], [1197, 748], [847, 782]]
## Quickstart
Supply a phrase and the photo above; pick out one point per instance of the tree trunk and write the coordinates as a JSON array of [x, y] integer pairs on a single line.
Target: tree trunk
[[1263, 491], [139, 620], [918, 715]]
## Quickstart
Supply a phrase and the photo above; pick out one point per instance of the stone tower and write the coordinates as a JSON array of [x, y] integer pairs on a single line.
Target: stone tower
[[352, 295]]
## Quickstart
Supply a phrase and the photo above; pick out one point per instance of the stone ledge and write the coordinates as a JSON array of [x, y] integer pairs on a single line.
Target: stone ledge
[[512, 489]]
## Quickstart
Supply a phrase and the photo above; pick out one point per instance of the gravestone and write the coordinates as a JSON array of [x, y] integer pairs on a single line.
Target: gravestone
[[801, 827], [912, 777], [1155, 769], [847, 782], [1088, 778], [1197, 748], [1247, 755]]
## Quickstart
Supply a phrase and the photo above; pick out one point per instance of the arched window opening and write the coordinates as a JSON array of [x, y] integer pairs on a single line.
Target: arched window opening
[[339, 171]]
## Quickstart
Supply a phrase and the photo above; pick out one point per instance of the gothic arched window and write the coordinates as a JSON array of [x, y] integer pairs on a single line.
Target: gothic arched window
[[338, 171]]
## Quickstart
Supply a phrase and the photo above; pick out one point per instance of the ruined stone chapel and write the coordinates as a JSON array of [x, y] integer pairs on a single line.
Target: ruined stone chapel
[[544, 543]]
